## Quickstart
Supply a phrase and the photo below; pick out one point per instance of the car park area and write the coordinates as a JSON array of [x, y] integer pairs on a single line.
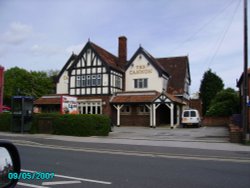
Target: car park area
[[202, 134]]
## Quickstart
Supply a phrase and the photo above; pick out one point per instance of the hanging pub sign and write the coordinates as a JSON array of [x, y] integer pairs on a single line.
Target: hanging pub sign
[[69, 105]]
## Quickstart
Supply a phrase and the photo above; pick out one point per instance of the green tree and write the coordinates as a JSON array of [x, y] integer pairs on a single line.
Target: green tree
[[19, 81], [211, 84], [225, 103]]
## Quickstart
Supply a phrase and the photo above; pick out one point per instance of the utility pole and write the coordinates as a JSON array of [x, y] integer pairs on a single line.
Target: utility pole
[[245, 86], [1, 87]]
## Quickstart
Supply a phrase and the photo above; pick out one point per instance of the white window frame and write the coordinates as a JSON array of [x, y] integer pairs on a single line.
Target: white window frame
[[78, 81], [141, 83], [83, 81], [90, 107], [98, 79], [94, 80], [126, 110], [142, 110], [88, 82], [117, 82]]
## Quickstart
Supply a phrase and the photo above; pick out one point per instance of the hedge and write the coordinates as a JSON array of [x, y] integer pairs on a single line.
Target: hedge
[[5, 122], [74, 125]]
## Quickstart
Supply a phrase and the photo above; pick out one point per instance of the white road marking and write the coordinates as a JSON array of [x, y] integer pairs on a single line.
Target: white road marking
[[74, 178], [23, 141], [145, 154], [60, 182], [30, 185]]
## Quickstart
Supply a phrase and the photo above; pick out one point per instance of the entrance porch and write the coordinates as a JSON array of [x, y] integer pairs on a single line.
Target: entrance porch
[[146, 109]]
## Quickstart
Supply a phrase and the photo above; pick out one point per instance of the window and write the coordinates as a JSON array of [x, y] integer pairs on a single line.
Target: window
[[117, 82], [193, 114], [88, 80], [141, 83], [99, 80], [126, 109], [142, 109], [83, 81], [186, 114], [78, 81], [90, 107], [93, 80]]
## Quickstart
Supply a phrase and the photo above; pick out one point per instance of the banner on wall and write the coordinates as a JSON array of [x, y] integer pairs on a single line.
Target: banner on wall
[[69, 105]]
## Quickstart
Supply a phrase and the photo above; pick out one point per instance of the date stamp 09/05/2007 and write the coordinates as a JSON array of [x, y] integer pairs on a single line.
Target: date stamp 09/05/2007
[[31, 175]]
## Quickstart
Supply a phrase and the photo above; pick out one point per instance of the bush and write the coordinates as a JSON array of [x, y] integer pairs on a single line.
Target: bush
[[74, 125], [5, 122], [225, 103]]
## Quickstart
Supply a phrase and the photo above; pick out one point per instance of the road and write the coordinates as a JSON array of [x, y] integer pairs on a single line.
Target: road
[[97, 165]]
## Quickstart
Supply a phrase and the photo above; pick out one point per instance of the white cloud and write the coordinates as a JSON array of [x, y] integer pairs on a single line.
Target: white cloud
[[17, 33]]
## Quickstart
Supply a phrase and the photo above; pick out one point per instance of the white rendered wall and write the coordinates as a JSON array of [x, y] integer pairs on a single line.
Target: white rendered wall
[[141, 68]]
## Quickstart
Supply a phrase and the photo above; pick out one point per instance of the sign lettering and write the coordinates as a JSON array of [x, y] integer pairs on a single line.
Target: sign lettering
[[140, 69]]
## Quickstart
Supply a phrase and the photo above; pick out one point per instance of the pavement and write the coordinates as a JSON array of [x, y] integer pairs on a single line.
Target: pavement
[[210, 138]]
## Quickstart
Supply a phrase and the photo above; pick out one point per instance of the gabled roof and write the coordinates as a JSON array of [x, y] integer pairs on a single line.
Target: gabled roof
[[71, 58], [109, 59], [161, 70], [177, 67]]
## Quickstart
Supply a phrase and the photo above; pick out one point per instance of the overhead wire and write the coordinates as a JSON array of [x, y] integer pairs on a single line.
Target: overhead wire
[[221, 39], [191, 37]]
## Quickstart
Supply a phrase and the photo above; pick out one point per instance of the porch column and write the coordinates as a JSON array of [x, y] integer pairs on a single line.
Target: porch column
[[154, 114], [172, 115], [118, 108], [150, 107], [171, 107], [178, 114]]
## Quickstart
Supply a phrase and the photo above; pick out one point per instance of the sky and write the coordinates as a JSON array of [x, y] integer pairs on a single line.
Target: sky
[[40, 35]]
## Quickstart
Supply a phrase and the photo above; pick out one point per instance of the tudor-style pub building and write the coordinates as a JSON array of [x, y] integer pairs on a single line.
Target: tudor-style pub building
[[93, 76], [144, 91]]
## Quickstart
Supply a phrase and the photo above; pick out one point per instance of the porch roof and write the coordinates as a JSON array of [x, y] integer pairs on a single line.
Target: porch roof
[[140, 97], [46, 100]]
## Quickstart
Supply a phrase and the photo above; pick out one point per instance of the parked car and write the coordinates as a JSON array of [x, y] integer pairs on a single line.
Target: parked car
[[190, 117], [6, 108]]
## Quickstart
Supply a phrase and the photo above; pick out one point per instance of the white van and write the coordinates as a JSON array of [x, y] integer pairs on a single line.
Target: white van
[[190, 117]]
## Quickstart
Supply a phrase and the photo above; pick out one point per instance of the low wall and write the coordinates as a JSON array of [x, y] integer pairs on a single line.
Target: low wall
[[216, 121], [235, 133]]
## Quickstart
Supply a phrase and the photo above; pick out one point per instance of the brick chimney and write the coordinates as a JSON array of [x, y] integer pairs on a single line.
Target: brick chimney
[[122, 50]]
